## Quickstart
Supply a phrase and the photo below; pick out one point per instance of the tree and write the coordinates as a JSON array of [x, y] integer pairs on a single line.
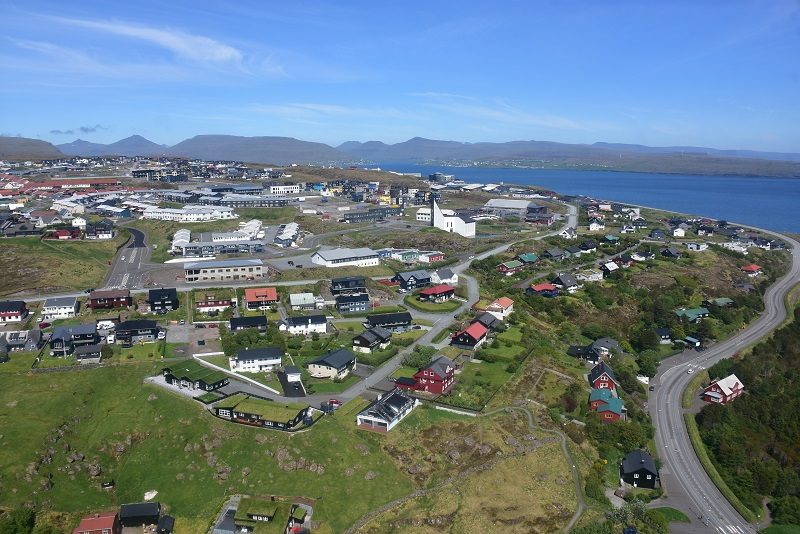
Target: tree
[[786, 510], [18, 521], [648, 364]]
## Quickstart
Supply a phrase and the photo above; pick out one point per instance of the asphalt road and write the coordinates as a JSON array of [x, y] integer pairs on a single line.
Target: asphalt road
[[682, 476], [129, 264]]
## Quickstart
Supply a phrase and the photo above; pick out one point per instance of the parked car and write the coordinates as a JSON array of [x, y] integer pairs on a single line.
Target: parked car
[[89, 290], [652, 388], [43, 325], [201, 342], [199, 326], [299, 266], [290, 262], [183, 321], [212, 325]]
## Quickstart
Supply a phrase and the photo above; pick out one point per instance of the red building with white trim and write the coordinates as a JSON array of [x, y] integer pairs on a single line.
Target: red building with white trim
[[437, 378], [724, 390]]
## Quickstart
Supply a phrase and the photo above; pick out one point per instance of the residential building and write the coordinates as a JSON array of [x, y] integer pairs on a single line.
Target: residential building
[[507, 207], [554, 253], [566, 282], [212, 303], [59, 308], [510, 267], [678, 232], [595, 225], [752, 270], [439, 293], [568, 233], [334, 365], [639, 470], [501, 308], [375, 338], [671, 252], [105, 523], [260, 298], [137, 331], [528, 258], [723, 391], [242, 323], [411, 280], [387, 411], [346, 257], [256, 360], [444, 276], [20, 341], [352, 303], [305, 325], [190, 213], [395, 322], [348, 285], [697, 247], [190, 374], [609, 408], [609, 268], [602, 377], [88, 353], [545, 290], [437, 378], [163, 300], [288, 234], [449, 221], [99, 230], [110, 299], [433, 256], [223, 270], [664, 336], [284, 189], [590, 275], [692, 315], [305, 302], [489, 321], [471, 337], [65, 339], [12, 311]]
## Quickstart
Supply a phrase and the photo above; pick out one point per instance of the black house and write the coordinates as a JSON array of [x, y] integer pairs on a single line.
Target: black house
[[348, 285], [138, 514], [369, 340], [163, 300], [66, 339], [352, 303], [639, 470], [396, 322], [412, 279], [137, 331], [241, 323]]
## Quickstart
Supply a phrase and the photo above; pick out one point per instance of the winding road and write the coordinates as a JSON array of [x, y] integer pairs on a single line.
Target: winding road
[[685, 481]]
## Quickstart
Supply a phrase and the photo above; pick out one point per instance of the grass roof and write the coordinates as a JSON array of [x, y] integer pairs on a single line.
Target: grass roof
[[269, 410], [278, 510], [194, 371]]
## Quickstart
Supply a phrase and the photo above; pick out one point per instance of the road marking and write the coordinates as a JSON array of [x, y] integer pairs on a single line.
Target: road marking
[[125, 280]]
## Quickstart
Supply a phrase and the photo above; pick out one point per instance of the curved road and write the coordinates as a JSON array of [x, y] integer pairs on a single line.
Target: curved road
[[683, 477]]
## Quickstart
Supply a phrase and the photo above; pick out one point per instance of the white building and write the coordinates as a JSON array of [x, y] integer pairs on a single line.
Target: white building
[[305, 325], [306, 301], [568, 233], [596, 225], [79, 222], [59, 308], [697, 247], [284, 189], [256, 360], [346, 257], [387, 411], [208, 271], [444, 276], [459, 224], [424, 214], [678, 232], [189, 213]]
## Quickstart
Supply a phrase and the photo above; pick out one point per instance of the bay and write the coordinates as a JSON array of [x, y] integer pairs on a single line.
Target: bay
[[770, 203]]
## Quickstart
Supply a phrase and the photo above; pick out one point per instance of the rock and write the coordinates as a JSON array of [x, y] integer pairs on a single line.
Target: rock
[[94, 470], [320, 469], [530, 437], [469, 441], [245, 471], [454, 454], [371, 475], [349, 472], [152, 397], [484, 448], [119, 448], [414, 469], [511, 440], [362, 448], [179, 476], [188, 448], [66, 447], [301, 463], [261, 438], [211, 460], [32, 468], [291, 465]]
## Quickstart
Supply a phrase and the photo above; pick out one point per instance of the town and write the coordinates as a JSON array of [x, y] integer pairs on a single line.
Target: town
[[350, 305]]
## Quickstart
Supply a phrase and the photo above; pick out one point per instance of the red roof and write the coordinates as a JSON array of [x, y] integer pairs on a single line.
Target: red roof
[[476, 330], [751, 268], [502, 303], [260, 293], [96, 523], [543, 287], [437, 290]]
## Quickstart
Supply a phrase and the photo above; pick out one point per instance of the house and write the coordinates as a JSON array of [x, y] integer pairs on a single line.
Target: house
[[411, 280], [722, 302], [65, 339], [507, 207], [609, 268], [242, 323], [568, 233], [20, 341], [697, 247], [396, 322], [510, 267], [608, 407], [566, 282], [59, 308], [256, 360], [139, 514], [305, 302], [444, 276], [489, 321], [105, 523], [595, 225], [628, 229], [437, 378], [387, 411], [223, 270], [375, 338], [88, 353], [692, 341], [642, 256], [639, 470], [439, 293], [346, 257], [624, 260], [433, 256], [137, 331], [678, 232], [611, 239], [692, 315], [605, 347], [110, 299], [305, 325], [335, 364], [588, 247], [544, 290], [190, 374], [260, 298], [348, 285], [705, 230], [471, 337], [664, 335], [602, 377], [12, 311], [657, 234], [166, 525], [742, 286], [449, 221], [163, 300], [573, 251], [723, 391], [671, 252], [752, 270], [589, 275], [210, 303], [528, 258], [501, 308], [100, 230], [554, 253], [352, 303]]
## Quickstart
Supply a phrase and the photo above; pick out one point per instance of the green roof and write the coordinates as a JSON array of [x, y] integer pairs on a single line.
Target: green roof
[[513, 264], [279, 511], [268, 410], [193, 371], [722, 301], [528, 257], [603, 394], [692, 313], [231, 402], [611, 237], [613, 405]]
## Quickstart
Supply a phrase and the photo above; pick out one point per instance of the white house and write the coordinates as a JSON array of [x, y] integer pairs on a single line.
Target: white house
[[589, 275], [387, 411], [59, 308], [424, 215], [678, 232], [305, 325], [256, 360], [444, 276], [501, 308], [79, 222], [628, 229], [334, 365], [595, 225], [346, 257], [189, 213], [697, 247], [459, 224], [569, 233], [284, 189]]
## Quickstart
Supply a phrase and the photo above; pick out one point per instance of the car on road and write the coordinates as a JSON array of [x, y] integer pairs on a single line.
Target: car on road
[[43, 325], [199, 326], [472, 257], [183, 321], [652, 388], [89, 290], [122, 258], [701, 348], [290, 262], [161, 334], [408, 226], [690, 371], [416, 327], [299, 266], [201, 342]]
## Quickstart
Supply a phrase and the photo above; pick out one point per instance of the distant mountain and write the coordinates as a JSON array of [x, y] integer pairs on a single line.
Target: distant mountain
[[276, 150], [135, 145], [23, 148], [776, 156]]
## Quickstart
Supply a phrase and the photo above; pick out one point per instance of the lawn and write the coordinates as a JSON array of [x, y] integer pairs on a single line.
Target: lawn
[[326, 273], [513, 334], [326, 385], [476, 384], [504, 351], [29, 264], [147, 438], [672, 514], [268, 379], [432, 307]]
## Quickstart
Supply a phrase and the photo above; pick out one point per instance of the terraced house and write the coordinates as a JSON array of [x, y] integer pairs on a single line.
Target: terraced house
[[110, 299], [189, 374], [12, 311], [224, 270]]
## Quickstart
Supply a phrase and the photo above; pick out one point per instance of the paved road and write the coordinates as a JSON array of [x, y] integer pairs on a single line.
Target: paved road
[[130, 263], [682, 475]]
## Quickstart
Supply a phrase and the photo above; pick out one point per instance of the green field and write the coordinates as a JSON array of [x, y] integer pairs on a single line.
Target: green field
[[30, 264], [432, 307]]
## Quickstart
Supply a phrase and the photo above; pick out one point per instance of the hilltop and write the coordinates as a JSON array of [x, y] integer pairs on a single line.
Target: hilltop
[[277, 150], [23, 148]]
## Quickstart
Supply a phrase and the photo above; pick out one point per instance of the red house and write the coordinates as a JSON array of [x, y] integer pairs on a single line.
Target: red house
[[438, 378], [259, 298], [439, 293], [723, 391], [608, 407], [106, 523], [67, 234], [12, 311], [471, 337], [114, 298], [602, 377], [510, 267], [752, 270], [544, 289]]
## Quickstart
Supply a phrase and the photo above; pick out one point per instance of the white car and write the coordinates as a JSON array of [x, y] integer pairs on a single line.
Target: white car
[[690, 371], [161, 334]]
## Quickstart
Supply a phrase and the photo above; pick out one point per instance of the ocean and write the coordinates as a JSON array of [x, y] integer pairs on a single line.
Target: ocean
[[770, 203]]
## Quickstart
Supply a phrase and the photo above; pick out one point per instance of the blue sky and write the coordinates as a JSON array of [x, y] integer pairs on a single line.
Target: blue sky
[[723, 74]]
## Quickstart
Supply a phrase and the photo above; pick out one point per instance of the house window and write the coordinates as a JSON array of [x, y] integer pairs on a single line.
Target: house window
[[636, 475], [649, 477]]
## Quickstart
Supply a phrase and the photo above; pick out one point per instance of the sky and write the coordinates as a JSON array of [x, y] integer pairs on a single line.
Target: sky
[[723, 74]]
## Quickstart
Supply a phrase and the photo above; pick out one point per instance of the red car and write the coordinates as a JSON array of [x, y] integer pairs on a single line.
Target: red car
[[43, 325], [335, 403], [212, 325]]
